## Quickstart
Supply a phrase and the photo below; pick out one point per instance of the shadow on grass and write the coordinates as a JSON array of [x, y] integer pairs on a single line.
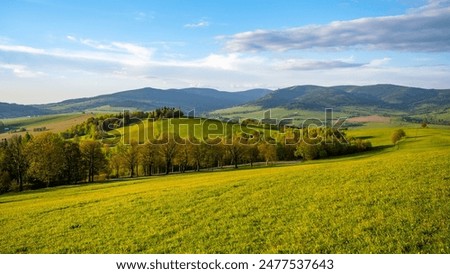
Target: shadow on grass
[[381, 148], [418, 136], [365, 137], [118, 182]]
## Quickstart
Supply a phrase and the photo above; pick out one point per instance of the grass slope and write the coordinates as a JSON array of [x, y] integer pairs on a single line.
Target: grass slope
[[54, 123], [184, 127], [385, 201]]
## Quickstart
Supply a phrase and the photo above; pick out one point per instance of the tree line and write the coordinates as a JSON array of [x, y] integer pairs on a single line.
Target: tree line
[[49, 160]]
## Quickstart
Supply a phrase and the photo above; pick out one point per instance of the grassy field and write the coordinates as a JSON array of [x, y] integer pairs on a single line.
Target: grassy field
[[254, 112], [199, 128], [385, 201], [53, 123]]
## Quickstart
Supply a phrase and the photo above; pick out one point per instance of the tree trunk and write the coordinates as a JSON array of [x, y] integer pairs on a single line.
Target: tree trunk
[[131, 171], [167, 167], [20, 181]]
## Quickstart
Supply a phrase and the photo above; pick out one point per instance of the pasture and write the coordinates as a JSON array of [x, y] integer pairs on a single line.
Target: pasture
[[387, 200], [53, 123]]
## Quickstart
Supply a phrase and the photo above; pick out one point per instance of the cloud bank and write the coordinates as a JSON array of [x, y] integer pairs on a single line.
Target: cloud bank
[[425, 30], [114, 52]]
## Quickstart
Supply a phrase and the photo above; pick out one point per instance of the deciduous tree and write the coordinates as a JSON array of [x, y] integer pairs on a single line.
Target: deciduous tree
[[45, 155], [268, 152], [168, 147], [130, 155], [149, 154], [95, 159], [73, 167], [15, 159], [235, 148], [198, 153], [396, 136]]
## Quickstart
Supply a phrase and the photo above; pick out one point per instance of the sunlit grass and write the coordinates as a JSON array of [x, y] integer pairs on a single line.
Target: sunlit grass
[[391, 201]]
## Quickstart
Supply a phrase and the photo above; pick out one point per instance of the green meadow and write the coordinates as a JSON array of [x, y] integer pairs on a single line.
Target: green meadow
[[387, 200], [52, 123], [199, 128], [255, 112], [39, 120]]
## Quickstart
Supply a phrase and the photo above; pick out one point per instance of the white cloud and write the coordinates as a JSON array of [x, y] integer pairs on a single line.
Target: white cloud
[[433, 5], [425, 29], [135, 50], [379, 62], [22, 49], [229, 62], [219, 62], [306, 64], [71, 38], [115, 52], [200, 24], [21, 71]]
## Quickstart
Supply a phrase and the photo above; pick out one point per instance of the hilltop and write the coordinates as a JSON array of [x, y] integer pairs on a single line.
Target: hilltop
[[200, 99], [371, 99], [386, 97]]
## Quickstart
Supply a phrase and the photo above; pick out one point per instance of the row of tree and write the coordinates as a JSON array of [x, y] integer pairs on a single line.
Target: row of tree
[[49, 160]]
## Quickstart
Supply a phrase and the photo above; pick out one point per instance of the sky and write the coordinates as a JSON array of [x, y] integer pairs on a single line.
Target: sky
[[52, 50]]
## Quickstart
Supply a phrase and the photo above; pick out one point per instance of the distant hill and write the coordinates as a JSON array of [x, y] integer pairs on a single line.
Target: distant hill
[[376, 97], [15, 110], [387, 97], [200, 99]]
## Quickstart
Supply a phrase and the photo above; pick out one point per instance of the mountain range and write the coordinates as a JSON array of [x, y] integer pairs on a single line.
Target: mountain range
[[203, 100], [200, 99], [381, 97]]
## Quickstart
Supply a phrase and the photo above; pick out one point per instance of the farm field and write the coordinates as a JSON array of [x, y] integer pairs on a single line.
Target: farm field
[[387, 200], [53, 123], [255, 112]]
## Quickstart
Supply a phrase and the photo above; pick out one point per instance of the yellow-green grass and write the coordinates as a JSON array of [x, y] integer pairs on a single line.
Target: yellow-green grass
[[40, 120], [199, 128], [391, 201], [254, 112], [53, 123]]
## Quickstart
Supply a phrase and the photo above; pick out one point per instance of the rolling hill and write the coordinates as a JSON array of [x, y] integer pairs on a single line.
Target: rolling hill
[[16, 110], [385, 97], [200, 99], [374, 98]]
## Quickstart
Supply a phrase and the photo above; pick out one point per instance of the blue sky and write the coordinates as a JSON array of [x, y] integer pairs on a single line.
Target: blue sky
[[54, 50]]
